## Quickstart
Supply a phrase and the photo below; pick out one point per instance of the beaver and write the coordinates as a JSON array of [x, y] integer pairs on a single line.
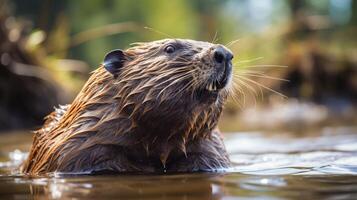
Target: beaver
[[152, 108]]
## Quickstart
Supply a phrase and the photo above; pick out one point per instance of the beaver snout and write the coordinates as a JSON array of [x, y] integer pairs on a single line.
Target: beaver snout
[[222, 55]]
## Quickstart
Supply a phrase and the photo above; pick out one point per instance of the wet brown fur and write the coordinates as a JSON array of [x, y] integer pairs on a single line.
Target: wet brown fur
[[147, 119]]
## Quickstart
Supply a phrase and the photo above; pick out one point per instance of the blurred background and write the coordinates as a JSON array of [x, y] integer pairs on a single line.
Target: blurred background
[[295, 60]]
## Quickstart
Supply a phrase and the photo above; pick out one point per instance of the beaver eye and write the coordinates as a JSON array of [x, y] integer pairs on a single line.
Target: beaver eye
[[170, 49]]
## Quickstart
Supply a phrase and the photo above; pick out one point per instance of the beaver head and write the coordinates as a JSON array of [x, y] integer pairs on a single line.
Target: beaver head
[[170, 86]]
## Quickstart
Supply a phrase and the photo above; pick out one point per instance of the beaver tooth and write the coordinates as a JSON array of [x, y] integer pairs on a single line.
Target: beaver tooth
[[209, 87]]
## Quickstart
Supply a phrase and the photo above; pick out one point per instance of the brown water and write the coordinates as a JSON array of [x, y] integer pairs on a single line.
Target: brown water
[[322, 165]]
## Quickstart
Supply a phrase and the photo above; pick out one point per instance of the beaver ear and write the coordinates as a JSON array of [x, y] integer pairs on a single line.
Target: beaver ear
[[114, 61]]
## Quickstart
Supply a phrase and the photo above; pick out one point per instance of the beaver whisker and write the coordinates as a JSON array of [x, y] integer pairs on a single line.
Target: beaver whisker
[[264, 66], [215, 38], [154, 81], [178, 64], [174, 77], [263, 86], [247, 61], [252, 71], [249, 88], [233, 93], [166, 69], [171, 73], [174, 94], [164, 73], [264, 76], [138, 75], [229, 44], [200, 83], [185, 87], [259, 74], [158, 32], [184, 59], [247, 85], [177, 78], [179, 61], [174, 82], [169, 85]]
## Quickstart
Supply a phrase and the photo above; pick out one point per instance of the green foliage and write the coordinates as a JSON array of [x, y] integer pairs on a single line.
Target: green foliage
[[263, 27], [174, 18]]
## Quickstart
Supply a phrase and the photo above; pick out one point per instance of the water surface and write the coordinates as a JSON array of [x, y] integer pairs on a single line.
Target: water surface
[[284, 165]]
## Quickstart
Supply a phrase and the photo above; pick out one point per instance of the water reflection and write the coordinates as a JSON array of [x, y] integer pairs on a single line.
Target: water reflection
[[334, 151], [125, 187], [185, 187], [282, 166]]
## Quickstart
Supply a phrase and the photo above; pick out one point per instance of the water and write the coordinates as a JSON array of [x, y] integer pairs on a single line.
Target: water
[[318, 165]]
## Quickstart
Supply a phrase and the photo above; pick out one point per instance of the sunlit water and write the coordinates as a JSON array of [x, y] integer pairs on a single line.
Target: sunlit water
[[321, 165]]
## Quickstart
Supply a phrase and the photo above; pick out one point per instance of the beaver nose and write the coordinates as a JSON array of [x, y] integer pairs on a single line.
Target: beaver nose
[[222, 55]]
